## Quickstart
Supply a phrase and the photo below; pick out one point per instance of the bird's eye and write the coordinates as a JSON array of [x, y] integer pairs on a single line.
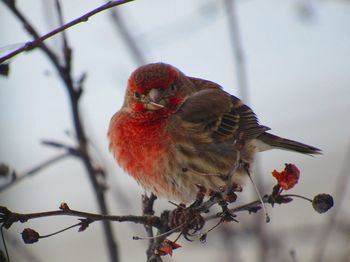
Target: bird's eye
[[173, 87], [137, 95]]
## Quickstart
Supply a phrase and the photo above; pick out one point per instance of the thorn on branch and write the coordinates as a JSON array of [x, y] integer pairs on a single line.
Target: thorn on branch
[[64, 206], [28, 45], [79, 85], [147, 204], [84, 224]]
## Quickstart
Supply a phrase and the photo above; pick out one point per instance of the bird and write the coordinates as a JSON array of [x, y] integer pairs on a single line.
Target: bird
[[175, 133]]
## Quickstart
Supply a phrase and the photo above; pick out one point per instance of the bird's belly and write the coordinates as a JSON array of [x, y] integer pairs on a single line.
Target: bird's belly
[[152, 158], [159, 171]]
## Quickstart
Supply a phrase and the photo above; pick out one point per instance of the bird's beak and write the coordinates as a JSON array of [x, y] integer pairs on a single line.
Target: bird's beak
[[154, 106], [154, 96]]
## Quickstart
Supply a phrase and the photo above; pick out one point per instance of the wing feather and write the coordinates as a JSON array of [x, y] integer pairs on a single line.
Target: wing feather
[[211, 125], [223, 116]]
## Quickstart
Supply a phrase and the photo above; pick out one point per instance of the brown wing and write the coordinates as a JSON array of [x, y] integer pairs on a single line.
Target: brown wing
[[206, 129], [222, 116], [202, 84]]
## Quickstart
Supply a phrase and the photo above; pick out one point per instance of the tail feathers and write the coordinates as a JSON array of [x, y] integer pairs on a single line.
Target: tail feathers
[[286, 144]]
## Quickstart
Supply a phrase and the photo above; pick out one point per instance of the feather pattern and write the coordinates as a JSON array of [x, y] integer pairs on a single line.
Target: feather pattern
[[198, 134]]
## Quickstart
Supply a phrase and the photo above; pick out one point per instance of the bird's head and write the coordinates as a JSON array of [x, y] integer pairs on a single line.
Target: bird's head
[[155, 87]]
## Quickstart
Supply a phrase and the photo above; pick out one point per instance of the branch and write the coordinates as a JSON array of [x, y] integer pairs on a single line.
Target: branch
[[67, 51], [39, 39], [7, 217], [35, 170], [186, 220], [147, 209], [74, 91], [230, 6], [130, 43]]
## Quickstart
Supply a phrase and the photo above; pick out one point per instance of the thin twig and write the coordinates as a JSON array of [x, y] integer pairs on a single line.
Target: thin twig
[[7, 217], [35, 170], [267, 218], [62, 230], [165, 234], [234, 33], [130, 43], [298, 196], [38, 40], [67, 51]]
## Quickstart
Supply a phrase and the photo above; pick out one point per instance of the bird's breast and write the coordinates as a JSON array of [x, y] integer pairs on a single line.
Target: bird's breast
[[140, 146]]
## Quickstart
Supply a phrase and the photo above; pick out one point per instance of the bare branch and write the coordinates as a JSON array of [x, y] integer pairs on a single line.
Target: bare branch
[[186, 220], [130, 42], [147, 209], [38, 40], [35, 170], [230, 7], [67, 51], [7, 218]]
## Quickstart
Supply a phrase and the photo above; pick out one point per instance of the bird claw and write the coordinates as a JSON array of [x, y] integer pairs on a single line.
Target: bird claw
[[187, 219], [227, 216], [200, 196]]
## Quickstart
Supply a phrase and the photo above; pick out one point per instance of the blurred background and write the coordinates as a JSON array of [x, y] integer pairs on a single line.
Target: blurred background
[[296, 75]]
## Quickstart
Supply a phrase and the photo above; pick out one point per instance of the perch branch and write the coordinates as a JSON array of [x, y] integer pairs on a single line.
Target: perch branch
[[8, 218], [39, 39]]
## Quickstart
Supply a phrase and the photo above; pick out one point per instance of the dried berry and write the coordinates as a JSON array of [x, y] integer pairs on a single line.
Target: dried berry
[[30, 236], [322, 203]]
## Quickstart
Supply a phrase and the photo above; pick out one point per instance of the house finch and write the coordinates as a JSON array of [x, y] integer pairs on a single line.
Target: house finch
[[175, 132]]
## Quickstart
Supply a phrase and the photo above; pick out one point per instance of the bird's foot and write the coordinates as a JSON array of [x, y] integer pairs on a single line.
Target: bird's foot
[[226, 215], [202, 191], [187, 219]]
